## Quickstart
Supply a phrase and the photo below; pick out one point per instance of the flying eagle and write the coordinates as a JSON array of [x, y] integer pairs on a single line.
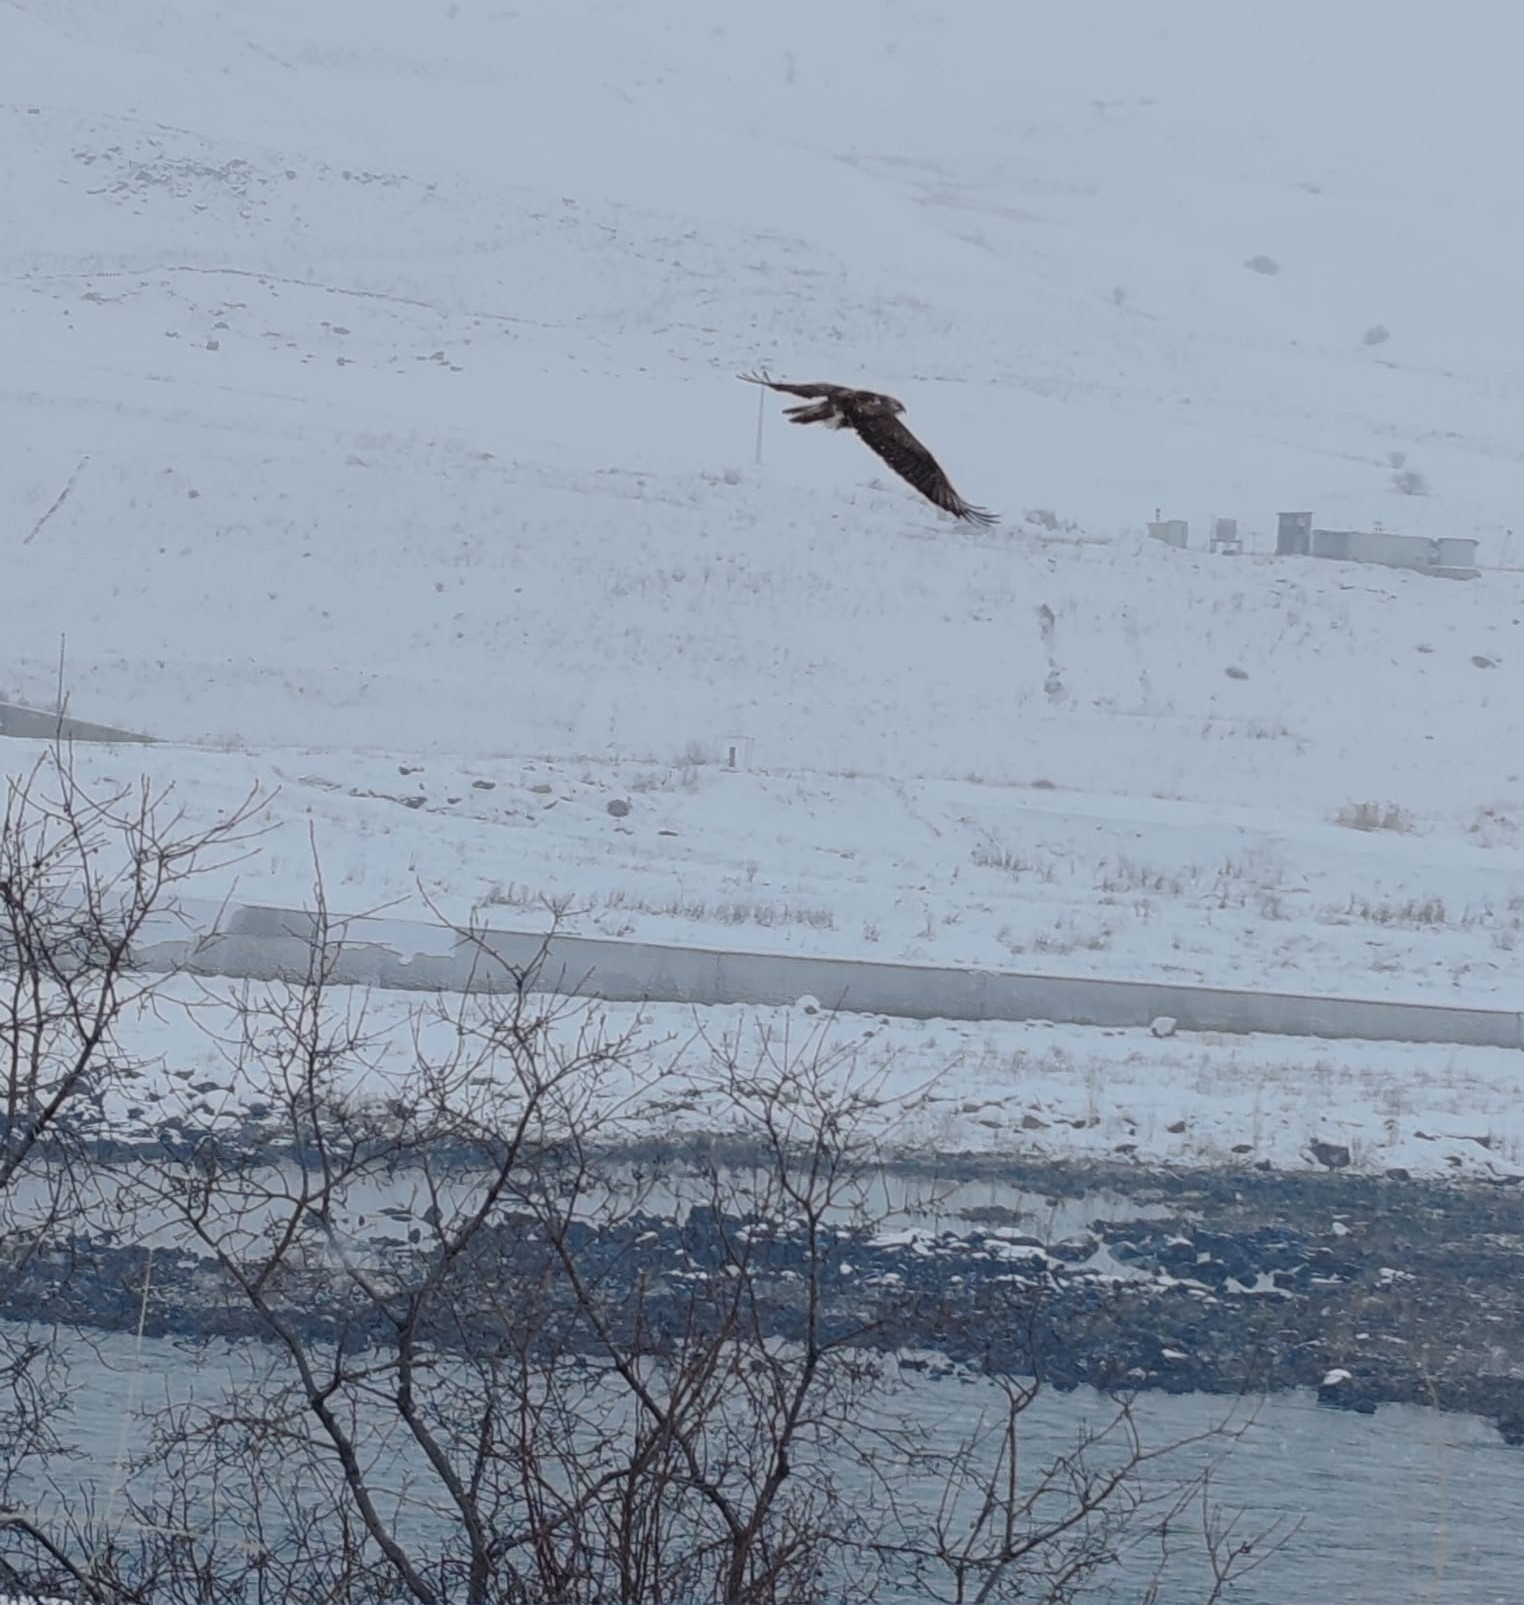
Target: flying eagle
[[875, 418]]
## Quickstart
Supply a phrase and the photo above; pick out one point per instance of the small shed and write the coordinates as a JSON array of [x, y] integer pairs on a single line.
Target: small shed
[[1293, 534], [1225, 536], [1172, 531]]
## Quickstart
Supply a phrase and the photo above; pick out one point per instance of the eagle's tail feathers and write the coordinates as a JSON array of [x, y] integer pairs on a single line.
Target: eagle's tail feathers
[[817, 412]]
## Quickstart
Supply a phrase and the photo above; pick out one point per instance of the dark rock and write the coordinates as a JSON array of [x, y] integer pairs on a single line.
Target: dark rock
[[1177, 1256], [1332, 1154], [1430, 1275], [1343, 1390]]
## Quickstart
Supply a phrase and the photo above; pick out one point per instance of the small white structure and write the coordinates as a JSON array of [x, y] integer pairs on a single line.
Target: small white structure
[[1450, 557], [1225, 537], [1293, 534], [1172, 531]]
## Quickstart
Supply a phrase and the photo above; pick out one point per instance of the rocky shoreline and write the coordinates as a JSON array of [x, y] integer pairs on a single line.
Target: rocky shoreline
[[1370, 1289]]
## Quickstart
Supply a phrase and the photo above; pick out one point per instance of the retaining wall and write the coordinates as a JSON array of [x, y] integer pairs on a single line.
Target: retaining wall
[[271, 943], [35, 724]]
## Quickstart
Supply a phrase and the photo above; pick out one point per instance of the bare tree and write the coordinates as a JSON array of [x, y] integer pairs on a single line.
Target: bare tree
[[524, 1308], [80, 877], [513, 1351]]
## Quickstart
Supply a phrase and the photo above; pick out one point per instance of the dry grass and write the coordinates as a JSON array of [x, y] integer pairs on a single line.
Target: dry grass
[[990, 854], [1376, 816], [767, 916]]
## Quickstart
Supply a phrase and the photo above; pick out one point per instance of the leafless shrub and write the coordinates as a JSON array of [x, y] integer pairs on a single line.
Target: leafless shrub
[[1125, 875], [501, 1353], [1411, 911], [768, 915], [570, 1413], [510, 894], [80, 878], [1376, 816], [991, 854], [1046, 518]]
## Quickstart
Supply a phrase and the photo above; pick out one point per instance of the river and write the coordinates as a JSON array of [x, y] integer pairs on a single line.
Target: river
[[1406, 1505]]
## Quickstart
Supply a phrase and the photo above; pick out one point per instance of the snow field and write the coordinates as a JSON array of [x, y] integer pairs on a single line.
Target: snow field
[[938, 1088], [388, 352]]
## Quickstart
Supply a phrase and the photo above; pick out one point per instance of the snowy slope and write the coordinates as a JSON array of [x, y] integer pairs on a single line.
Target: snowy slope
[[1031, 877], [935, 1086], [389, 352]]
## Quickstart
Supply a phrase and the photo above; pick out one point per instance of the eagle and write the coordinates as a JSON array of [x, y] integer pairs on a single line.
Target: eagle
[[875, 418]]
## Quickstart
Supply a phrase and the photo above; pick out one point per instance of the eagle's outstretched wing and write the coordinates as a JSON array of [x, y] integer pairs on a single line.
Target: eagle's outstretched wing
[[793, 390], [916, 466]]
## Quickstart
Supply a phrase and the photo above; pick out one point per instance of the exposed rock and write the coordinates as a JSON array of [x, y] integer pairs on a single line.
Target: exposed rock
[[1332, 1154], [1343, 1390], [1363, 1288], [1511, 1425]]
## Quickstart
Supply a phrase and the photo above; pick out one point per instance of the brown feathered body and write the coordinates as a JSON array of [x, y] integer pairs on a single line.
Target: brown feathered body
[[875, 419]]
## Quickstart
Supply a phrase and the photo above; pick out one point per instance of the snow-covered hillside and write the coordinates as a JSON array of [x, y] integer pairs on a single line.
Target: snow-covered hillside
[[388, 349], [939, 1086]]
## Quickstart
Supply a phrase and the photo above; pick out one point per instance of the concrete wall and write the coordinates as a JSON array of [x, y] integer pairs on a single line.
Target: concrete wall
[[33, 724], [271, 943]]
